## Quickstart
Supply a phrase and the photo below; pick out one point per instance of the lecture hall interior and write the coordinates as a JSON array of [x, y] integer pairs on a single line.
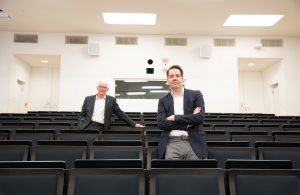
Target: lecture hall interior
[[243, 55]]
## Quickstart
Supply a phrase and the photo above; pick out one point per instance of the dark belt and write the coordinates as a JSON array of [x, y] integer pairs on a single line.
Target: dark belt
[[96, 123], [182, 137]]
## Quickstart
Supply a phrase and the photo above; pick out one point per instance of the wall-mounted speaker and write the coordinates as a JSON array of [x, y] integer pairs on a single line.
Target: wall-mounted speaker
[[150, 61], [93, 49], [205, 51]]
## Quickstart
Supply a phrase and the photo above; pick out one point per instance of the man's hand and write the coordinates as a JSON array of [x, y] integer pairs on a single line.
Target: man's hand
[[197, 110], [139, 126], [171, 118]]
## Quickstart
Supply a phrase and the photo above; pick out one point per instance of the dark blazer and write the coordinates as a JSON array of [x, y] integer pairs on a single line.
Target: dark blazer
[[111, 107], [192, 99]]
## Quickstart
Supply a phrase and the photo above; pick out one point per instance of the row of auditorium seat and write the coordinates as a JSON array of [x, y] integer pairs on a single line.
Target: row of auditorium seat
[[90, 135], [223, 135], [236, 127], [145, 136], [69, 151], [213, 121], [141, 173], [121, 177], [71, 123], [209, 120], [150, 118], [151, 114], [73, 126], [249, 136], [242, 150]]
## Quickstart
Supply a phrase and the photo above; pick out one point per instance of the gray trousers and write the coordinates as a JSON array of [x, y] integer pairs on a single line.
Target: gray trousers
[[178, 149]]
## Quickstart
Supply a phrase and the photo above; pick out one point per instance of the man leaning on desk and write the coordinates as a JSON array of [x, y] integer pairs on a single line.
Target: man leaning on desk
[[97, 111]]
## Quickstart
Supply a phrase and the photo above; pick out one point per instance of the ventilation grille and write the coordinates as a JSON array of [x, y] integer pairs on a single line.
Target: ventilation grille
[[126, 41], [76, 39], [224, 42], [26, 38], [271, 42], [175, 41]]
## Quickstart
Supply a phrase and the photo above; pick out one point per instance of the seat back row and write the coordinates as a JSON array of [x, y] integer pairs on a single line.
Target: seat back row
[[69, 151], [36, 178]]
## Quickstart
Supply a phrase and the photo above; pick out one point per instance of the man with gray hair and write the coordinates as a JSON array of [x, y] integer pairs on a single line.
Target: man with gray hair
[[97, 111]]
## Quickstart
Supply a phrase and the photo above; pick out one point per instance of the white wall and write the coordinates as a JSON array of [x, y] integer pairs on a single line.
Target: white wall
[[13, 95], [290, 103], [5, 61], [251, 92], [44, 87], [19, 83], [273, 77], [119, 61], [216, 77]]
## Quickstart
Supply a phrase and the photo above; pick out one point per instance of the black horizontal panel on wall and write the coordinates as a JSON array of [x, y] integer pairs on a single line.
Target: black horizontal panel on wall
[[140, 89]]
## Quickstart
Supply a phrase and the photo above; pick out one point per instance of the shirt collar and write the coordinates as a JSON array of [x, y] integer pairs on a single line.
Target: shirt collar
[[99, 98], [182, 92]]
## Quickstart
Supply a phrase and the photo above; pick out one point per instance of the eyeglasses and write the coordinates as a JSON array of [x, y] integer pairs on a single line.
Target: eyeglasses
[[103, 87]]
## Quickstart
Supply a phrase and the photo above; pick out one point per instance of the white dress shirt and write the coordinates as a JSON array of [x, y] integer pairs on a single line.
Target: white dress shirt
[[178, 110], [99, 108]]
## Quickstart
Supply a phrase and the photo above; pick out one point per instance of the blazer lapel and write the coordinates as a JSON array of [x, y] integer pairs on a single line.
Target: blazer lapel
[[93, 103], [171, 104], [107, 101], [185, 102]]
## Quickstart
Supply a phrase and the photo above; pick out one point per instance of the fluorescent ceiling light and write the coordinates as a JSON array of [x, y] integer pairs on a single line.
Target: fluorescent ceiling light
[[45, 61], [159, 91], [3, 14], [117, 94], [135, 81], [252, 20], [135, 93], [129, 18], [152, 87], [251, 64]]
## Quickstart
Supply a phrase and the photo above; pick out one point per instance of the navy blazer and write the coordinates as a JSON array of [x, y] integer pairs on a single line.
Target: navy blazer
[[111, 106], [192, 99]]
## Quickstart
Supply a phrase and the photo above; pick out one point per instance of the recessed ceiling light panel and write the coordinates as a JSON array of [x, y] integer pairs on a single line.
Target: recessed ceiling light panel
[[45, 61], [251, 64], [252, 20]]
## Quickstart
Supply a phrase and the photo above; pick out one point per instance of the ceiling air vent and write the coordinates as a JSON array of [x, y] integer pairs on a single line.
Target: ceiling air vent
[[271, 42], [224, 42], [26, 38], [175, 41], [126, 40], [76, 39]]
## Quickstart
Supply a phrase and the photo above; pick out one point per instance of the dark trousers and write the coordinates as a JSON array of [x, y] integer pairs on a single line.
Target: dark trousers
[[95, 126]]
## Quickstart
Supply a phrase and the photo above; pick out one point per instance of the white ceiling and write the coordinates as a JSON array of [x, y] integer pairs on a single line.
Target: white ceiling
[[35, 60], [261, 64], [174, 17]]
